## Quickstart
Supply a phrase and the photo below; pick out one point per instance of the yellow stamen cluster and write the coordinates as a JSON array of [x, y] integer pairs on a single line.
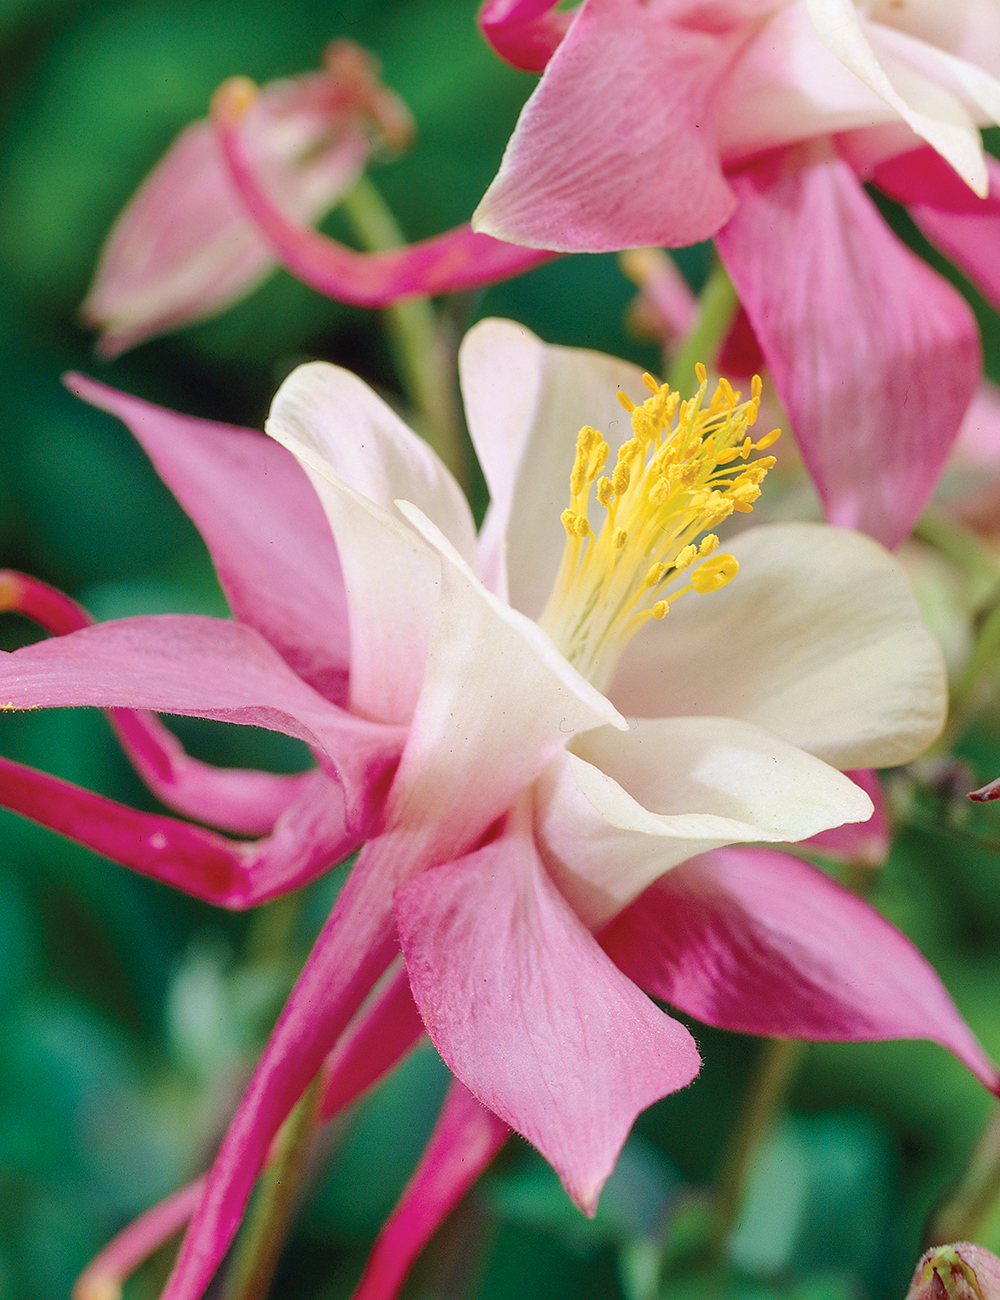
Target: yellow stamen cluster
[[684, 470]]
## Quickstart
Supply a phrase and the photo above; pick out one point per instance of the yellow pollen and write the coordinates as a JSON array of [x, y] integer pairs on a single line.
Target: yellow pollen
[[684, 470]]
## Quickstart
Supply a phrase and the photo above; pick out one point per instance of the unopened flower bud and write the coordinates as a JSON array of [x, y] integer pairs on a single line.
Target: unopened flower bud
[[184, 248], [958, 1272]]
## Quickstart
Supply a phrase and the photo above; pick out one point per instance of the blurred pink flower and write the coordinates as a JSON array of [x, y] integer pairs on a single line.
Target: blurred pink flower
[[755, 121], [184, 248], [511, 811]]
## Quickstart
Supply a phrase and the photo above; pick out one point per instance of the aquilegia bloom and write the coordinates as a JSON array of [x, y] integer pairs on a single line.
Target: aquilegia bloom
[[755, 121], [535, 730]]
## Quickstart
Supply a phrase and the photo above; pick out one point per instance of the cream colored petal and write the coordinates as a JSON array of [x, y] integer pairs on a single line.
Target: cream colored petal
[[498, 702], [932, 112], [392, 580], [348, 427], [818, 638], [625, 807], [526, 402], [969, 29], [979, 89]]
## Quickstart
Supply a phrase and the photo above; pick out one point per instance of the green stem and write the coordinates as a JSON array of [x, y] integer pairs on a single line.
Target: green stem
[[424, 359], [963, 548], [768, 1087], [266, 1227], [962, 1215], [717, 307]]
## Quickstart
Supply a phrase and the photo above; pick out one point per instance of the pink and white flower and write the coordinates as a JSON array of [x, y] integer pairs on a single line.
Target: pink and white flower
[[545, 760], [756, 121]]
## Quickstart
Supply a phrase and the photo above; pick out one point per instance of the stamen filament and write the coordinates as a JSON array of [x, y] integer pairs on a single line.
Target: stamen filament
[[671, 482]]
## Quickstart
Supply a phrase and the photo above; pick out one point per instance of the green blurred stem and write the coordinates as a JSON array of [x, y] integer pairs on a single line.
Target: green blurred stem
[[962, 547], [266, 1227], [963, 1213], [769, 1083], [717, 305], [965, 550], [422, 354]]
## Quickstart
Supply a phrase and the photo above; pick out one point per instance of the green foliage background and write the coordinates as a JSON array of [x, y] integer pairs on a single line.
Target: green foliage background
[[129, 1015]]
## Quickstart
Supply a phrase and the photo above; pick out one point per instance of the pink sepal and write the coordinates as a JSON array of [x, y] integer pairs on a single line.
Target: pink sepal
[[874, 356], [354, 949], [593, 167], [864, 844], [459, 259], [308, 838], [530, 1015], [761, 942], [206, 668], [262, 522], [964, 227], [465, 1139], [525, 33], [246, 802]]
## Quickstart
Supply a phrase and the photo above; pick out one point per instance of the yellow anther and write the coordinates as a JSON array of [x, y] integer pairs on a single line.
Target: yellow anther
[[626, 401], [659, 492], [669, 488], [701, 372], [768, 440], [645, 427], [687, 555], [714, 573], [756, 388]]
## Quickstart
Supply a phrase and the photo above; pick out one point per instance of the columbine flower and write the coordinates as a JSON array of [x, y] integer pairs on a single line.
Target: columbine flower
[[184, 248], [756, 123], [585, 696]]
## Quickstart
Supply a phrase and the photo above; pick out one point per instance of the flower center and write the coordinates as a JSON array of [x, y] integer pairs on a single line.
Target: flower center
[[672, 483]]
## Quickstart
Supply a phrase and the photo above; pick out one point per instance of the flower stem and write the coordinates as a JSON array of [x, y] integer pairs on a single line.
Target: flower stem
[[266, 1227], [717, 306], [772, 1074], [964, 1212], [423, 356]]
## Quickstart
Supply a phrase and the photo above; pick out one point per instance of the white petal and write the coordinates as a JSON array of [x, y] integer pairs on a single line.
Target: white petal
[[365, 443], [392, 580], [934, 114], [958, 75], [498, 702], [818, 638], [525, 402], [623, 808]]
